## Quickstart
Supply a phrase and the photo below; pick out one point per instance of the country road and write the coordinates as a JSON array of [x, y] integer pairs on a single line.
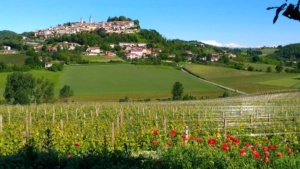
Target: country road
[[221, 86]]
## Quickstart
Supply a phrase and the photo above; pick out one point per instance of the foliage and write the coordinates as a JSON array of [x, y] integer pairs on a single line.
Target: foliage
[[291, 11], [226, 94], [269, 69], [177, 91], [65, 92], [279, 68], [6, 34], [43, 91], [56, 67], [19, 88]]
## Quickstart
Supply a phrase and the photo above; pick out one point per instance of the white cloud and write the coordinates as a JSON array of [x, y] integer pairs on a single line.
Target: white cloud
[[215, 43]]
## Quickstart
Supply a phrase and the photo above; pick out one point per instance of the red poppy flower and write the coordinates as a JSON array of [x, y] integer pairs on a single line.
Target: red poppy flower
[[265, 139], [256, 143], [247, 145], [183, 136], [212, 141], [191, 138], [155, 132], [279, 154], [77, 144], [225, 147], [228, 140], [173, 131], [172, 134], [256, 154], [198, 139], [270, 146], [290, 150], [275, 146], [154, 142], [242, 152], [265, 148], [267, 160], [266, 153]]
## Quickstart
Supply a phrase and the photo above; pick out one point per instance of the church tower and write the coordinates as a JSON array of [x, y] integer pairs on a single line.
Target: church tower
[[91, 19], [81, 20]]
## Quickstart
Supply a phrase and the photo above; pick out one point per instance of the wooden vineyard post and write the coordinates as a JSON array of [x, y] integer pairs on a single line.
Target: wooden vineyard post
[[118, 124], [186, 132], [112, 133], [61, 124], [225, 127], [8, 116], [269, 119], [156, 119], [223, 115], [121, 116], [67, 116], [1, 129], [165, 124], [53, 116], [30, 120], [198, 121]]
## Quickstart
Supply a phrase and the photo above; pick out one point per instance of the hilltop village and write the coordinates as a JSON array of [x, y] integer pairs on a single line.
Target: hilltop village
[[76, 27]]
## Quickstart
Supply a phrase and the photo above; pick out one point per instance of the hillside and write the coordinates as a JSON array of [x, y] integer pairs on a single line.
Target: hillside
[[7, 34]]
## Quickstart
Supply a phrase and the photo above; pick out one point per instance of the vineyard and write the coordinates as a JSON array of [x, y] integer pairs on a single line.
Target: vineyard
[[172, 134]]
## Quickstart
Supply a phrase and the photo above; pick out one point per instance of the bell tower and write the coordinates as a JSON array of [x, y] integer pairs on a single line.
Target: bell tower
[[91, 19]]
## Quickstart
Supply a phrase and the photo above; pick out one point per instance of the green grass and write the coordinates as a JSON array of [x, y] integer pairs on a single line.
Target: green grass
[[250, 82], [267, 51], [102, 58], [110, 82], [13, 59]]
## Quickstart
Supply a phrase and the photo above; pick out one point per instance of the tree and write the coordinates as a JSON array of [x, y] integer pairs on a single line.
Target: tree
[[291, 11], [279, 68], [65, 92], [19, 88], [226, 93], [43, 91], [269, 69], [177, 91]]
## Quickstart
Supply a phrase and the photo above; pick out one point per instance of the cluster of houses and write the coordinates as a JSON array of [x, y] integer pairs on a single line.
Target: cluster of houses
[[73, 28], [7, 49]]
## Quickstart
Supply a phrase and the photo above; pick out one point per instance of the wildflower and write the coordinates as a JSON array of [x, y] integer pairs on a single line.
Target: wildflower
[[225, 147], [228, 140], [247, 145], [155, 132], [154, 142], [256, 143], [267, 160], [69, 155], [212, 141], [172, 134], [290, 150], [256, 154], [279, 154], [198, 139], [77, 144], [173, 131], [166, 145], [265, 139], [266, 153], [183, 136], [191, 138], [242, 152], [265, 148]]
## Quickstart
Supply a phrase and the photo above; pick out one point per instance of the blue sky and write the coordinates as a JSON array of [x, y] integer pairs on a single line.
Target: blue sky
[[243, 22]]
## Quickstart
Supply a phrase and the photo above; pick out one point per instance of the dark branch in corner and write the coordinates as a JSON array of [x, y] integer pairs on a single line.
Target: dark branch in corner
[[291, 11]]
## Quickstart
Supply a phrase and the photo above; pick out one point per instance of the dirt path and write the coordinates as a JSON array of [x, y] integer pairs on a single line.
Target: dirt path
[[221, 86]]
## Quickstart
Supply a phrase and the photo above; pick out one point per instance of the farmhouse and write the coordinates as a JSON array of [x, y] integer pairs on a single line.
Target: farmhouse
[[92, 51], [48, 64]]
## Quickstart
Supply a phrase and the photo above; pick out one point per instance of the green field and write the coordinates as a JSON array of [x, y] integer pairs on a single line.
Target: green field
[[111, 82], [250, 82], [13, 59], [102, 58]]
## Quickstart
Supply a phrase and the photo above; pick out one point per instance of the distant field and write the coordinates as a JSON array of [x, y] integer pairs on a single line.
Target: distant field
[[115, 81], [267, 51], [250, 82], [102, 58], [13, 59]]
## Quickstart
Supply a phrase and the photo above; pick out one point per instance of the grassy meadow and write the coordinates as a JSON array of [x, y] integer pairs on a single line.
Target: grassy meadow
[[246, 81], [115, 81], [102, 58], [13, 59]]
